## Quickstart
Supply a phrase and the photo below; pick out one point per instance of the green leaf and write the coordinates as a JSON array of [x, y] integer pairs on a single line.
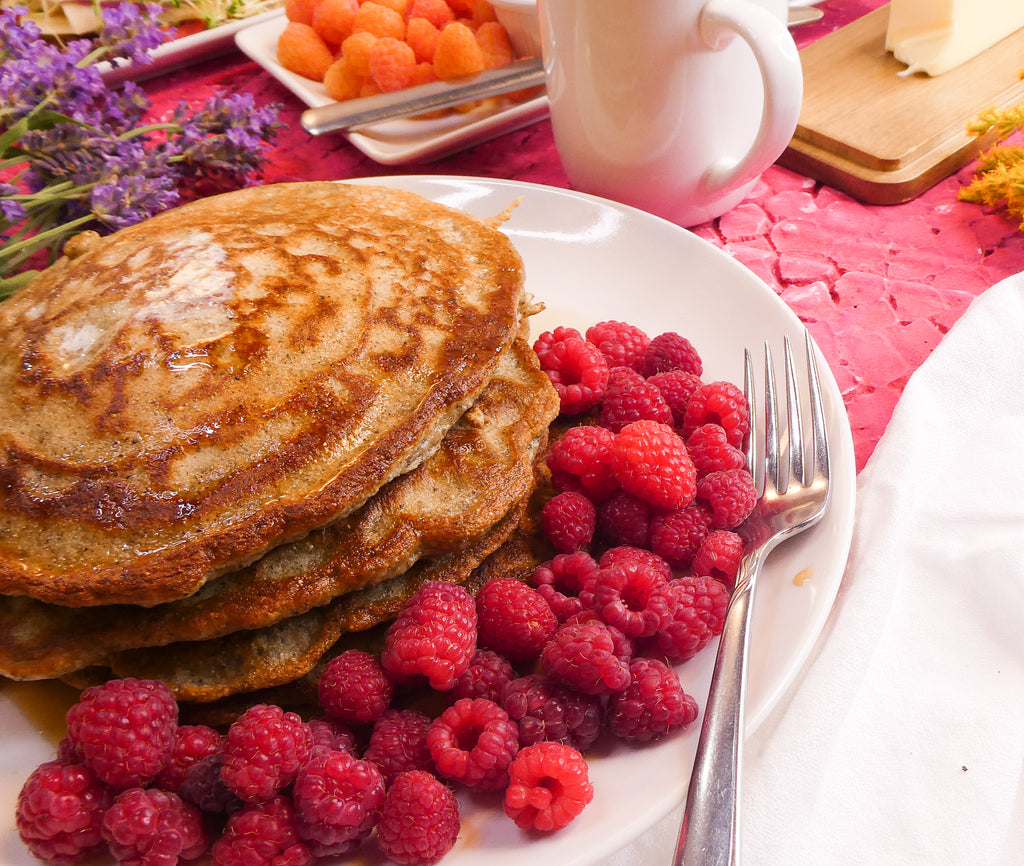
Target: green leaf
[[9, 285]]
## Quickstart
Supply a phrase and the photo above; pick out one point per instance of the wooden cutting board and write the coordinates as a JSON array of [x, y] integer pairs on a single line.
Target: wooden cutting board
[[884, 137]]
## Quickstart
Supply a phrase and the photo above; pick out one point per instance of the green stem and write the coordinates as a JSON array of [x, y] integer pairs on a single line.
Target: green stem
[[36, 240]]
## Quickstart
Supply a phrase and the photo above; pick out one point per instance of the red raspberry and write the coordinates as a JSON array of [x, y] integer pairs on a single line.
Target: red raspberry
[[650, 461], [624, 520], [398, 743], [582, 655], [710, 450], [263, 751], [670, 351], [153, 826], [633, 597], [192, 743], [124, 730], [676, 386], [547, 710], [630, 397], [559, 582], [353, 688], [731, 495], [203, 787], [513, 619], [473, 742], [622, 344], [653, 705], [719, 403], [332, 735], [337, 800], [719, 556], [579, 373], [568, 520], [699, 614], [262, 834], [676, 535], [581, 461], [419, 821], [543, 345], [622, 646], [627, 554], [60, 813], [434, 636], [485, 677], [548, 787]]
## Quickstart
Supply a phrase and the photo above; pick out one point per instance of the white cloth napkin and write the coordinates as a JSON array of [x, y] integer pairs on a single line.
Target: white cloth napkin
[[903, 740]]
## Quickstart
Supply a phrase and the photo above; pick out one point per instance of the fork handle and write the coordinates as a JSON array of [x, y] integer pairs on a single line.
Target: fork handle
[[709, 833]]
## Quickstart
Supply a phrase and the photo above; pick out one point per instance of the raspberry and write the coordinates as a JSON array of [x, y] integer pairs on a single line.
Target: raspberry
[[676, 387], [356, 51], [60, 813], [497, 47], [633, 597], [421, 36], [630, 397], [568, 520], [434, 636], [559, 582], [473, 742], [719, 556], [263, 751], [391, 64], [124, 730], [650, 461], [625, 554], [710, 450], [676, 535], [670, 351], [192, 743], [622, 646], [332, 735], [419, 821], [300, 10], [698, 616], [581, 460], [485, 677], [301, 50], [203, 787], [263, 834], [582, 655], [153, 826], [337, 798], [545, 343], [353, 688], [624, 519], [398, 743], [548, 787], [653, 705], [379, 20], [719, 403], [579, 373], [623, 345], [437, 12], [547, 710], [333, 20], [731, 495], [513, 619], [457, 53]]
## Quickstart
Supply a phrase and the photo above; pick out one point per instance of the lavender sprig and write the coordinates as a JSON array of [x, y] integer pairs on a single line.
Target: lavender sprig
[[76, 155]]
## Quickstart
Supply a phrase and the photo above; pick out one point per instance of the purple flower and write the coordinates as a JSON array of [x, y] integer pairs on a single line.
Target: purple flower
[[130, 31]]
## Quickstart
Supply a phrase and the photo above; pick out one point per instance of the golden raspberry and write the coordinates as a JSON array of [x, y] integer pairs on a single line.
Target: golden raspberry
[[301, 50]]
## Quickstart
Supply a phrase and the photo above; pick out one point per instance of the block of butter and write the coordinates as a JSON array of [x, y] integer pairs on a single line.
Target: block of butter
[[934, 36]]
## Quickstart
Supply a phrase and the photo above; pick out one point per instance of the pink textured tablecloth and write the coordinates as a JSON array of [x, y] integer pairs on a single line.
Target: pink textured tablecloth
[[877, 286]]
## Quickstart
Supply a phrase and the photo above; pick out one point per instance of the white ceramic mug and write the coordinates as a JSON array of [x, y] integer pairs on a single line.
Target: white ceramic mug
[[674, 106]]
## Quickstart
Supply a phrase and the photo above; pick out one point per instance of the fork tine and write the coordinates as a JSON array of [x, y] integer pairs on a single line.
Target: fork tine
[[794, 420], [771, 424], [818, 432], [755, 448]]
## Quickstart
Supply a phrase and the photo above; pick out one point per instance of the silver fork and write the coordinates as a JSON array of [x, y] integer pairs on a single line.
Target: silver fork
[[790, 502]]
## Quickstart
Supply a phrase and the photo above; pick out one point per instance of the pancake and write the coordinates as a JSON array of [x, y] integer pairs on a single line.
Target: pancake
[[483, 467], [263, 658], [180, 397]]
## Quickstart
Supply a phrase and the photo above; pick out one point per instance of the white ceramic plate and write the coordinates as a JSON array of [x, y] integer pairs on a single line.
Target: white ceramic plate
[[187, 50], [395, 142], [589, 260]]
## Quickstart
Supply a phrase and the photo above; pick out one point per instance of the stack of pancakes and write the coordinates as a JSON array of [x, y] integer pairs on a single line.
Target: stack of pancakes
[[236, 432]]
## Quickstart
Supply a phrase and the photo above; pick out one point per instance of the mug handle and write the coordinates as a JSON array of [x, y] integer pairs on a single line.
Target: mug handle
[[779, 62]]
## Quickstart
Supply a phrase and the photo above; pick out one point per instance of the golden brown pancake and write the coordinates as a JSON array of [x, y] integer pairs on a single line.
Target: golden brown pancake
[[483, 467], [182, 396]]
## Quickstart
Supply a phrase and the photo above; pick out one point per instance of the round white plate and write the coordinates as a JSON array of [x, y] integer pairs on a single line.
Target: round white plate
[[589, 260]]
